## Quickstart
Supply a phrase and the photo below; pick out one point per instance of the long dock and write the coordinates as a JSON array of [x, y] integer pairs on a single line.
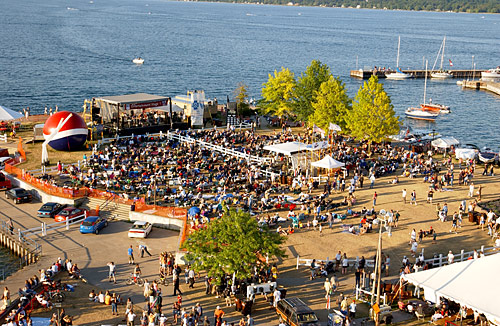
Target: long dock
[[490, 86], [463, 74]]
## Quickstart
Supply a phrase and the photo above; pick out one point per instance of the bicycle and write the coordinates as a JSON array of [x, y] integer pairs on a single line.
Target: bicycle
[[162, 281], [57, 296], [138, 280]]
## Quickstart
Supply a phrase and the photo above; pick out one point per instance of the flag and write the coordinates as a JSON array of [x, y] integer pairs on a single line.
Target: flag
[[451, 63], [318, 130], [334, 127]]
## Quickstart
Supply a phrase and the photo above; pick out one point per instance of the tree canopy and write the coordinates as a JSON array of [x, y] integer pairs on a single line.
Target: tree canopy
[[491, 6], [331, 104], [307, 86], [278, 93], [232, 244], [372, 116]]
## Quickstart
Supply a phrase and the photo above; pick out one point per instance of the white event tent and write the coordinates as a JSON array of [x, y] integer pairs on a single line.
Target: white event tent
[[445, 142], [471, 283], [9, 114], [286, 148], [328, 162], [294, 147]]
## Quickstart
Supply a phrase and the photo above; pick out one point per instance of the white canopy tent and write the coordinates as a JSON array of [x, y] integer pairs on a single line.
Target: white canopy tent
[[465, 153], [9, 114], [328, 162], [286, 148], [445, 142], [471, 283]]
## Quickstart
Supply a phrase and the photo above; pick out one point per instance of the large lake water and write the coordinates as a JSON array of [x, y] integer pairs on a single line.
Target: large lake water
[[54, 52]]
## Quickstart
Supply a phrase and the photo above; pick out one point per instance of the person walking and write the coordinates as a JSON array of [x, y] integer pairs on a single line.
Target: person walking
[[191, 276], [176, 279], [130, 318], [130, 252], [404, 195], [413, 197], [372, 180], [112, 272], [375, 199], [471, 190]]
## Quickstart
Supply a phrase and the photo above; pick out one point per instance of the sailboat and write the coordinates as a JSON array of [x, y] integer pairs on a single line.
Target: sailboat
[[441, 74], [432, 107], [423, 112], [398, 74]]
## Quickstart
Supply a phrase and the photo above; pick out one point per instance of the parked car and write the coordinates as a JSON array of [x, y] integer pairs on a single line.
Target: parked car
[[4, 182], [295, 312], [69, 213], [50, 209], [140, 229], [19, 195], [93, 224]]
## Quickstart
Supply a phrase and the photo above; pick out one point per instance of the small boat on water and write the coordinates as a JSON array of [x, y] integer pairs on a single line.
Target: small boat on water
[[138, 61], [487, 156], [398, 74], [441, 74], [492, 73], [421, 114]]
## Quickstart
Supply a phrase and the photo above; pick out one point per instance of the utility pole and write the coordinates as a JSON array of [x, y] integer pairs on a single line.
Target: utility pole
[[377, 270]]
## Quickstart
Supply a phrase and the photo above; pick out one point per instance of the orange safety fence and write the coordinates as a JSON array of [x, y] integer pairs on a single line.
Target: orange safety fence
[[141, 206]]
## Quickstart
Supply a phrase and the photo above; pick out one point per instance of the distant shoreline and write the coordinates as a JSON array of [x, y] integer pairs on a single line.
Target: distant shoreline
[[338, 7]]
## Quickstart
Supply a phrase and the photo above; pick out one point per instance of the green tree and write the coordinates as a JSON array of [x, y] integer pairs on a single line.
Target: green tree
[[231, 244], [372, 116], [278, 93], [307, 86], [331, 104], [241, 96]]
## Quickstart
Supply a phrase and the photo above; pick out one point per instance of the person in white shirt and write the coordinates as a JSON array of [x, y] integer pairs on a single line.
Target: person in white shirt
[[277, 297], [451, 257], [130, 318]]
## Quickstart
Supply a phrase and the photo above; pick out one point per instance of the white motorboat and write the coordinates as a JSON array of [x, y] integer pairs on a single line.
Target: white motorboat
[[492, 73], [398, 74], [138, 61], [421, 114], [487, 155], [441, 74]]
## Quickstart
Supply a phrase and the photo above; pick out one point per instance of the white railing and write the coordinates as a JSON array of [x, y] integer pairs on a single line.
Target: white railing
[[352, 262], [44, 228], [442, 260], [240, 126]]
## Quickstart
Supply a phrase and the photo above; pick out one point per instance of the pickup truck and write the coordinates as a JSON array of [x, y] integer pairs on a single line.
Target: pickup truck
[[4, 182], [18, 195]]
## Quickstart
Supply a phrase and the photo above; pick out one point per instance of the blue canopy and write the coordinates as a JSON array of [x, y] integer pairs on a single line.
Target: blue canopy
[[194, 210]]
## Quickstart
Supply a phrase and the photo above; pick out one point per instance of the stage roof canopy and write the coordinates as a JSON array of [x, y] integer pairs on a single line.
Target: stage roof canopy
[[132, 98]]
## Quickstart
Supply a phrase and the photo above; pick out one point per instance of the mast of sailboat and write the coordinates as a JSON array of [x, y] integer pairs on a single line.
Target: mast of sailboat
[[437, 57], [397, 59], [425, 82], [442, 54]]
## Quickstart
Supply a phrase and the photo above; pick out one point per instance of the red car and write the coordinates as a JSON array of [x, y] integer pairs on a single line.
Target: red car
[[70, 212]]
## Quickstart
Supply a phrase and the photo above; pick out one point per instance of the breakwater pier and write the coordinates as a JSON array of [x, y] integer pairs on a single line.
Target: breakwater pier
[[463, 74], [491, 86]]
